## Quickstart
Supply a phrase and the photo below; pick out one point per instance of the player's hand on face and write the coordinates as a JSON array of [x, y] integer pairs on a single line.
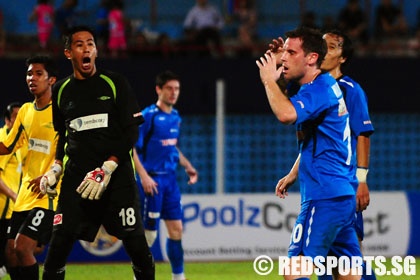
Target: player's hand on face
[[276, 47], [149, 185], [362, 197], [268, 68]]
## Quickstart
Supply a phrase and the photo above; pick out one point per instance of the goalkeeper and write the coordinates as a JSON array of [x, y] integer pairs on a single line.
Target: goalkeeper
[[96, 116]]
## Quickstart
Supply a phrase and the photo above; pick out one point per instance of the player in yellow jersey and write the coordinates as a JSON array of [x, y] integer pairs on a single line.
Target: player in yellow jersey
[[10, 179], [33, 213]]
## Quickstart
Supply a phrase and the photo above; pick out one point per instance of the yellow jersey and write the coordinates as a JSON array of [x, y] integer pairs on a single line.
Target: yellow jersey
[[34, 129], [11, 174]]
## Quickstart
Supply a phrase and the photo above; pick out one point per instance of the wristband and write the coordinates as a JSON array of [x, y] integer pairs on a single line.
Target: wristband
[[361, 174]]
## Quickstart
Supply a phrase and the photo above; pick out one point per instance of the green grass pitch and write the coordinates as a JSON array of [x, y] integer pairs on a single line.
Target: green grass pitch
[[242, 270]]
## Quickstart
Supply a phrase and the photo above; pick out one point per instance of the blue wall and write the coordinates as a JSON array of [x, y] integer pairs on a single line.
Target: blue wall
[[259, 151]]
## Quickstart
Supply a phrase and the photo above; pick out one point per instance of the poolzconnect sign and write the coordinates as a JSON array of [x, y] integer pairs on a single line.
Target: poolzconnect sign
[[243, 227]]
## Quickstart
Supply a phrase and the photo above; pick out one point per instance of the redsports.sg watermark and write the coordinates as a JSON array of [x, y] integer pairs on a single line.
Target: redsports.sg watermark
[[264, 265]]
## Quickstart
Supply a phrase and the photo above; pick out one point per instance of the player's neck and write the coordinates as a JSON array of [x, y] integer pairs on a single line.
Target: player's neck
[[336, 73], [309, 77], [164, 107], [42, 101]]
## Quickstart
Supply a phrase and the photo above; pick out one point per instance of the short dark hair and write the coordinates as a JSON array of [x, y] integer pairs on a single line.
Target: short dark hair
[[68, 36], [9, 109], [312, 41], [47, 61], [347, 47], [165, 76]]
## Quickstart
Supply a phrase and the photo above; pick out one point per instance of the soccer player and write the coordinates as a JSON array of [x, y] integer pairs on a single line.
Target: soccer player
[[320, 115], [10, 177], [96, 116], [33, 212], [159, 157], [340, 51]]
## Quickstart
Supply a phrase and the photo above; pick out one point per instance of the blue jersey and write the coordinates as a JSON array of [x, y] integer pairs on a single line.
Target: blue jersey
[[158, 137], [323, 125], [357, 107]]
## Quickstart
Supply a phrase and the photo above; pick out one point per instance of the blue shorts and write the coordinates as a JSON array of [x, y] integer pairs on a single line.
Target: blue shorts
[[165, 205], [325, 227], [358, 225]]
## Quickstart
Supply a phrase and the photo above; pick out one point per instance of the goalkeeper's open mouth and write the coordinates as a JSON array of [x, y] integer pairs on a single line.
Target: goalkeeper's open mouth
[[86, 63]]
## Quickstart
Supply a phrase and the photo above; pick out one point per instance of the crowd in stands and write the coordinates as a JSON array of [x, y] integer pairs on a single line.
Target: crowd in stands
[[210, 30]]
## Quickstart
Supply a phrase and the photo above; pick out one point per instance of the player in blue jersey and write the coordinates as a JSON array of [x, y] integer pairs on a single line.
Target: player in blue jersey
[[320, 115], [340, 51], [156, 158]]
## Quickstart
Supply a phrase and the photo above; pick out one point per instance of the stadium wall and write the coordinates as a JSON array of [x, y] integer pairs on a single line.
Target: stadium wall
[[244, 226], [389, 82]]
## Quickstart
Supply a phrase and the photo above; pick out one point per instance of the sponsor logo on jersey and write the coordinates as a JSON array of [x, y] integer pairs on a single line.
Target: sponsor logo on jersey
[[169, 142], [58, 219], [40, 145], [89, 122]]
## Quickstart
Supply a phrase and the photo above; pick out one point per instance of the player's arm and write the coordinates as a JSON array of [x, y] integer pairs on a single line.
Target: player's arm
[[362, 152], [189, 168], [4, 189], [287, 181], [3, 149], [280, 104], [149, 185]]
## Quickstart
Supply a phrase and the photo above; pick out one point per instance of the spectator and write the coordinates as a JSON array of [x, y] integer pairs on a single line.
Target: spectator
[[43, 13], [2, 35], [414, 42], [65, 16], [117, 43], [309, 20], [164, 47], [205, 22], [353, 21], [390, 21], [328, 23], [102, 25], [246, 16], [141, 45]]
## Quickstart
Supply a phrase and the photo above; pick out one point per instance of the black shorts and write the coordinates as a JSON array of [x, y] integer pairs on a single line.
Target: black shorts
[[118, 210], [36, 224]]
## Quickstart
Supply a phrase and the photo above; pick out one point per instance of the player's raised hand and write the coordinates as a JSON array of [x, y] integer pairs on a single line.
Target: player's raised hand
[[268, 68], [276, 47]]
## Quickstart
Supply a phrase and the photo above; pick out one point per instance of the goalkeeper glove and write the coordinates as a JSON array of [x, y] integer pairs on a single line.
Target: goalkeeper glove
[[95, 182], [48, 181]]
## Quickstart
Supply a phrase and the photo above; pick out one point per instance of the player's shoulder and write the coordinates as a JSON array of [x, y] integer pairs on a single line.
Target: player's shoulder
[[175, 112], [348, 82], [350, 86], [114, 76], [150, 110], [58, 84], [27, 106]]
